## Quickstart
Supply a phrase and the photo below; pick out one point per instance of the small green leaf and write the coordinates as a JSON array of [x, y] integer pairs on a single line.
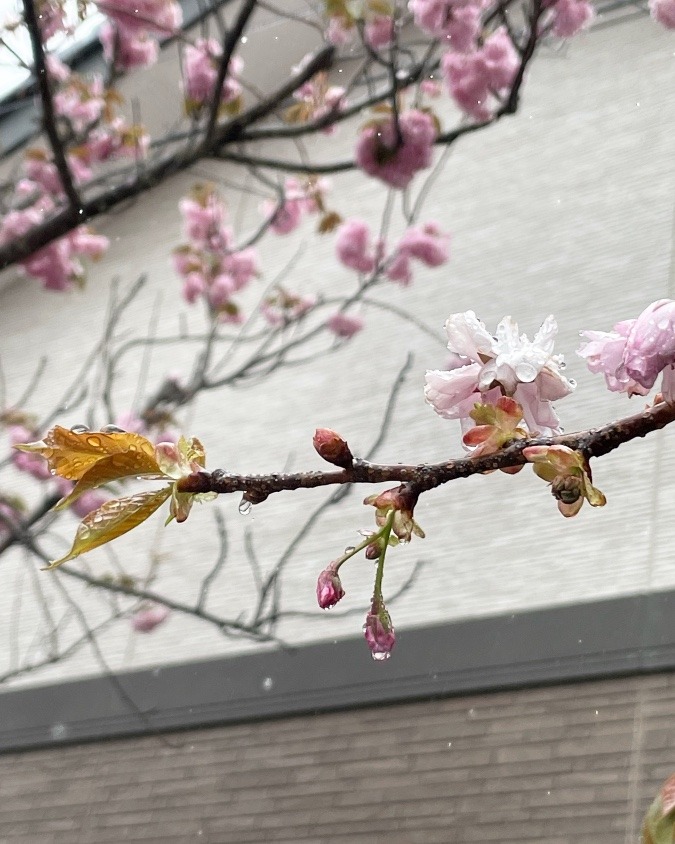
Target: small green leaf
[[113, 519]]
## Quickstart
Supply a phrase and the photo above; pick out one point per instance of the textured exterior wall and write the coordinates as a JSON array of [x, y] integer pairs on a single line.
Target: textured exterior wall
[[566, 208], [574, 764]]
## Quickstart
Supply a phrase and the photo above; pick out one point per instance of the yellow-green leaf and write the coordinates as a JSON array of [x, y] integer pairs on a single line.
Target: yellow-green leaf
[[71, 454], [113, 519], [114, 467]]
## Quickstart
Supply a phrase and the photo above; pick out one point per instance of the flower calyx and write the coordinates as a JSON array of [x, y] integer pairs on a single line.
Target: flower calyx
[[497, 425], [402, 501], [569, 474]]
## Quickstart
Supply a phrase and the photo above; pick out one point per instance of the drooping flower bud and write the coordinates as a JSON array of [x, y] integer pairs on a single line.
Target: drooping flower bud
[[332, 448], [145, 620], [329, 588], [379, 631]]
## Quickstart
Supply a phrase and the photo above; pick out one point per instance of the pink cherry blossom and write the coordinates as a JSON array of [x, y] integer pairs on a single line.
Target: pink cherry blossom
[[632, 356], [337, 31], [200, 72], [345, 325], [58, 71], [378, 155], [379, 31], [51, 18], [475, 78], [505, 364], [162, 17], [353, 246], [456, 22], [426, 243], [130, 48], [663, 11], [204, 219], [571, 16], [145, 620]]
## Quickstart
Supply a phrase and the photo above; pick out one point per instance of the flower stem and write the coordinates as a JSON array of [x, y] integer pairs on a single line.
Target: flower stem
[[385, 533]]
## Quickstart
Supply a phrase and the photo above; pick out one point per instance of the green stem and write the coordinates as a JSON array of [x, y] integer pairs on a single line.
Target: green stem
[[385, 533]]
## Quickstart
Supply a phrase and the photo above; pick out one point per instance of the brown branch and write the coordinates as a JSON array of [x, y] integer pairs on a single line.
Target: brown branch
[[229, 44], [425, 476], [48, 113]]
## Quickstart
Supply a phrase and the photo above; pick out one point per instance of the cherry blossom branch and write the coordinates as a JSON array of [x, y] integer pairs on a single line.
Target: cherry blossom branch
[[48, 113], [426, 476], [139, 182], [229, 44]]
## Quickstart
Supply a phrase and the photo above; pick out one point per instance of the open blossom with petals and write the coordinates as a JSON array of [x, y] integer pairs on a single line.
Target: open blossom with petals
[[145, 620], [129, 48], [378, 155], [571, 16], [200, 71], [457, 22], [338, 32], [505, 364], [345, 325], [329, 588], [162, 17], [635, 352], [51, 16], [663, 11], [353, 246], [379, 31], [424, 243], [569, 474], [379, 631], [473, 78]]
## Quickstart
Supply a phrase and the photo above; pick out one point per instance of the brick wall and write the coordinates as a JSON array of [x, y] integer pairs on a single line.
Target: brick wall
[[572, 764]]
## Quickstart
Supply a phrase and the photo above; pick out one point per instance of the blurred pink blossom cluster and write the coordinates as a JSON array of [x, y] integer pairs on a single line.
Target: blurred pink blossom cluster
[[316, 98], [200, 72], [282, 307], [356, 249], [209, 264], [344, 326], [58, 264], [394, 156], [299, 198], [663, 11], [129, 37], [51, 15], [479, 78], [377, 29], [485, 367], [569, 17], [636, 352]]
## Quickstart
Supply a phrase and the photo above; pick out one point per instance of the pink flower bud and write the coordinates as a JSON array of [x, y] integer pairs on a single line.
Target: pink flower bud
[[332, 448], [145, 620], [329, 588], [379, 631]]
